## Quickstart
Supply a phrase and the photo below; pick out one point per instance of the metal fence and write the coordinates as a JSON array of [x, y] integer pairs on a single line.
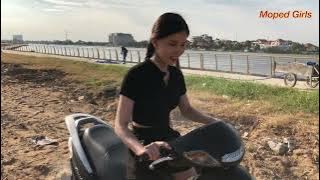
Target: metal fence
[[250, 64]]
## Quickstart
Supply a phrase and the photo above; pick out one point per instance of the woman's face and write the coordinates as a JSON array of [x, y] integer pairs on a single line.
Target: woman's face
[[170, 48]]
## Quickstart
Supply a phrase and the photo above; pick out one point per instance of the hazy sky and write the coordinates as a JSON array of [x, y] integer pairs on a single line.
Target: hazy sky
[[93, 20]]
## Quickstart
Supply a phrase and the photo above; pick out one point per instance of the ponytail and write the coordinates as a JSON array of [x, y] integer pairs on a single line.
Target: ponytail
[[178, 65], [150, 51]]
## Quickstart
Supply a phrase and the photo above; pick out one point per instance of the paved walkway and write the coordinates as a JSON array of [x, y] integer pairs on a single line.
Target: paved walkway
[[257, 79]]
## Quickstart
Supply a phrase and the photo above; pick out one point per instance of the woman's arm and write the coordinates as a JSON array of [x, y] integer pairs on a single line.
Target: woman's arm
[[192, 114], [123, 117]]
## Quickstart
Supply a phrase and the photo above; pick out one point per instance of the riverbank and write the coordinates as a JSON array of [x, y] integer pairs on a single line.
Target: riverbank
[[301, 84]]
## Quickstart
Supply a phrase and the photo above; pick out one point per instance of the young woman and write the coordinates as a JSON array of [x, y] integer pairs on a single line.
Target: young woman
[[150, 90]]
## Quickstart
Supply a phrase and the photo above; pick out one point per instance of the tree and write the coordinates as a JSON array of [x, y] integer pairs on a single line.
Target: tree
[[256, 47], [297, 48], [247, 44]]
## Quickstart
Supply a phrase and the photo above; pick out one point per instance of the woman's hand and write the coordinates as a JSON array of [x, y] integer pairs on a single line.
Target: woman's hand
[[153, 149]]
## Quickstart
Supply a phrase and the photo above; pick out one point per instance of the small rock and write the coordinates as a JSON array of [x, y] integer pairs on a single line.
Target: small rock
[[279, 148], [272, 144], [81, 98], [41, 140], [245, 135], [252, 148], [225, 96]]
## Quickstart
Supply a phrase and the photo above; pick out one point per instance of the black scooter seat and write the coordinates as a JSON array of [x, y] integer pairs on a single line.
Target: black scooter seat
[[106, 152]]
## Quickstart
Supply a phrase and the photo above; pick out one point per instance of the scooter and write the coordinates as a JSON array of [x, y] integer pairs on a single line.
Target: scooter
[[97, 153]]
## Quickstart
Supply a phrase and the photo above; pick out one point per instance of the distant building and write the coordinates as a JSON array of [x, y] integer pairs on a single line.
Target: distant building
[[279, 43], [121, 39], [203, 41], [311, 48], [17, 38], [282, 44], [263, 43]]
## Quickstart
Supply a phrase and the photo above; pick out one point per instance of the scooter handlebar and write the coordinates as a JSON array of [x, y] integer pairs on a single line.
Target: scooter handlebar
[[165, 155]]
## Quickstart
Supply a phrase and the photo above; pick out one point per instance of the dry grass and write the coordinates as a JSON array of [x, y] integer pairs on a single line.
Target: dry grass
[[90, 74]]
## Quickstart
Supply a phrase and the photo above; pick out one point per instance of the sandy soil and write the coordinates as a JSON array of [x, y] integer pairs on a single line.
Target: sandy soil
[[34, 103]]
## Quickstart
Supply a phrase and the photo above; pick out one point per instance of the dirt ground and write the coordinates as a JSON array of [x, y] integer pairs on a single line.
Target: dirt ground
[[34, 103]]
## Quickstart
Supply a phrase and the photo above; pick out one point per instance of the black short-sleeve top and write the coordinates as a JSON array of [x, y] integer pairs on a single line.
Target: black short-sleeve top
[[153, 99]]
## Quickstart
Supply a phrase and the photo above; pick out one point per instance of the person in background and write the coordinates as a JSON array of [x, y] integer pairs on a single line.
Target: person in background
[[124, 52]]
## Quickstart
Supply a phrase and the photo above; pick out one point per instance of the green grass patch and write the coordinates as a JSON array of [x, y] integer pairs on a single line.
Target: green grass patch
[[282, 99]]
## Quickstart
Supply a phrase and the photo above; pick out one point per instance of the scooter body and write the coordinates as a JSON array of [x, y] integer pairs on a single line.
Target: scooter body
[[98, 153]]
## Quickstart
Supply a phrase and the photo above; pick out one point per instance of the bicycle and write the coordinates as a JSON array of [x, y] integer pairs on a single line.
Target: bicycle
[[310, 71], [313, 79]]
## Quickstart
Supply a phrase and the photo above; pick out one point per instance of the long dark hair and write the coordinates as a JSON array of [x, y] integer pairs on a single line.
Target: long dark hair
[[166, 24]]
